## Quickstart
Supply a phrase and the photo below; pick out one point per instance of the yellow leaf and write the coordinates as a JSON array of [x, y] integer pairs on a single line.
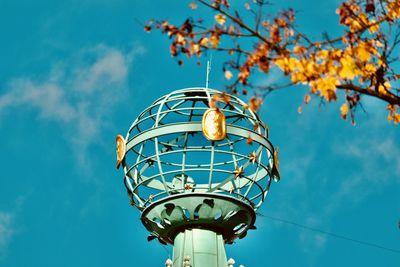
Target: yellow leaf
[[228, 74], [374, 27], [322, 54], [344, 109], [327, 87], [180, 39], [195, 48], [204, 41], [364, 51], [363, 54], [348, 68], [299, 50], [298, 77], [396, 118], [220, 19], [370, 68], [284, 64], [384, 88]]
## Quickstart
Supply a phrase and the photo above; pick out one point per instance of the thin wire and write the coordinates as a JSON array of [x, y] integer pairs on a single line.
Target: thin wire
[[330, 233]]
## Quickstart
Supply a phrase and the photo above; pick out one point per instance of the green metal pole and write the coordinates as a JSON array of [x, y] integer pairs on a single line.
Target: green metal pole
[[199, 248]]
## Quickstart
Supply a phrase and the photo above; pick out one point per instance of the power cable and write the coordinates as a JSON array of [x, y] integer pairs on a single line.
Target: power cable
[[330, 233]]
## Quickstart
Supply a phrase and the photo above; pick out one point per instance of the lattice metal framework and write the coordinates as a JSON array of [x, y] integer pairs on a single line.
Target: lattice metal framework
[[167, 153]]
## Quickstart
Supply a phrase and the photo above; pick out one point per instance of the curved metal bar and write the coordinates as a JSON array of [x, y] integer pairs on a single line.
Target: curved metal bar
[[156, 145], [198, 150], [194, 127]]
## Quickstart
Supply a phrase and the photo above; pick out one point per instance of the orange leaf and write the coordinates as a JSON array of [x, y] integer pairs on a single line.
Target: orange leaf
[[193, 5], [344, 109], [214, 39], [307, 98], [220, 19], [255, 103]]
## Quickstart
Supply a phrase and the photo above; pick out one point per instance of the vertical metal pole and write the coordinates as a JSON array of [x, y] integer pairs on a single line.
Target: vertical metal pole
[[199, 248]]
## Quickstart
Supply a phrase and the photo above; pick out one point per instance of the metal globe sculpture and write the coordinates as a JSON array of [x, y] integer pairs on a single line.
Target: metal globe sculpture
[[198, 164]]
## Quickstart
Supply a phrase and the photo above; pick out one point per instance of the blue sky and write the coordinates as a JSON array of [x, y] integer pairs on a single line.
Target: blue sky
[[73, 74]]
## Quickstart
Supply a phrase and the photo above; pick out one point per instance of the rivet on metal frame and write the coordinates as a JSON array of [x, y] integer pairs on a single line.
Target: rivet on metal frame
[[120, 149], [214, 124]]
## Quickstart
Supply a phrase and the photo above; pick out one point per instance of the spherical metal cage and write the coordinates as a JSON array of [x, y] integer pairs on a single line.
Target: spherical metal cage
[[168, 154]]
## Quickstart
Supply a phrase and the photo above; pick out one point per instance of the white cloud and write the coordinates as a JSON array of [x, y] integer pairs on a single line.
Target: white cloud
[[6, 230], [110, 67], [79, 94]]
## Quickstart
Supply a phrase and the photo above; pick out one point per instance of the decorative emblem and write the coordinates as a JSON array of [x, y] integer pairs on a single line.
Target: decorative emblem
[[239, 171], [275, 169], [120, 149], [253, 157], [214, 124]]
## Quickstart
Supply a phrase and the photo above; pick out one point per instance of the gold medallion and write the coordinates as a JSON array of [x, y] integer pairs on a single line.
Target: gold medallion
[[275, 169], [214, 124], [120, 149]]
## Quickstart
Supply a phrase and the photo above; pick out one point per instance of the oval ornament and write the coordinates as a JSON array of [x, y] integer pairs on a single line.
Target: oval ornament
[[275, 169], [214, 124], [120, 149]]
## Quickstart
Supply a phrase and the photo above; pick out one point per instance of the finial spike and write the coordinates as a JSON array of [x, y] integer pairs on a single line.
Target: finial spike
[[208, 70]]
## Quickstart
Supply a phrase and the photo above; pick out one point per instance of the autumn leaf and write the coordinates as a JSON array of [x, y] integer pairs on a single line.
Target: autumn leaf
[[214, 40], [193, 5], [359, 61], [228, 75], [307, 98], [327, 87], [282, 63], [348, 68], [180, 39], [364, 51], [204, 41], [384, 88], [393, 115], [299, 50], [147, 28], [220, 19], [344, 109], [254, 104], [393, 10], [374, 27], [225, 98]]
